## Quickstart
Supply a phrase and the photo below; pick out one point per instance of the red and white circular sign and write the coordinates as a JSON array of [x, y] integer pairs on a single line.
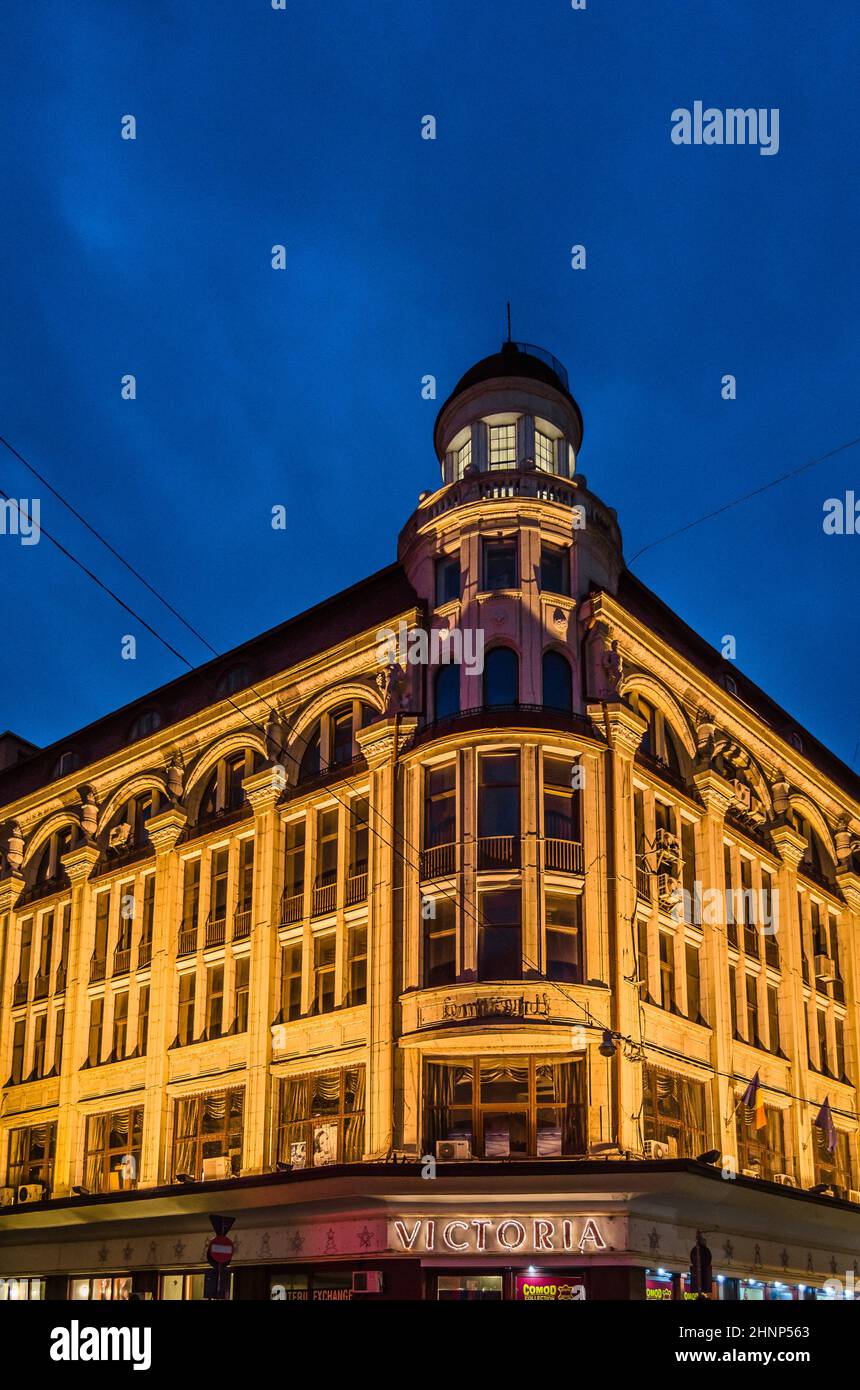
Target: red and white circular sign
[[220, 1250]]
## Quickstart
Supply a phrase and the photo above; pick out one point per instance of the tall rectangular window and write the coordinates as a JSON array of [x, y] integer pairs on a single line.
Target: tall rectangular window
[[500, 946], [148, 913], [751, 985], [544, 452], [327, 848], [561, 801], [218, 871], [502, 445], [294, 860], [674, 1112], [554, 569], [46, 941], [214, 1001], [770, 924], [447, 579], [564, 937], [440, 942], [190, 894], [773, 1018], [65, 938], [324, 972], [733, 999], [694, 982], [19, 1038], [94, 1042], [688, 855], [357, 965], [359, 817], [291, 981], [464, 458], [120, 1025], [500, 565], [241, 993], [102, 926], [245, 883], [731, 923], [499, 811], [440, 806], [751, 942], [124, 916], [839, 1029], [142, 1020], [667, 970], [31, 1155], [642, 960], [187, 1001], [59, 1025], [823, 1053], [40, 1033], [25, 953], [341, 738]]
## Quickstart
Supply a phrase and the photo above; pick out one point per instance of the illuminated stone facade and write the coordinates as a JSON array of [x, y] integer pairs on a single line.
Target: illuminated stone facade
[[297, 910]]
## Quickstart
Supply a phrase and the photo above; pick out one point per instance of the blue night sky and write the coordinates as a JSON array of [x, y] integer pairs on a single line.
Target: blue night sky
[[302, 387]]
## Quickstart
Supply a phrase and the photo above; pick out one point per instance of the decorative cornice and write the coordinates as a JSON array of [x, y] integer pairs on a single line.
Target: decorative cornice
[[165, 828], [79, 863], [11, 889], [385, 738], [715, 790], [623, 728], [790, 844], [849, 886]]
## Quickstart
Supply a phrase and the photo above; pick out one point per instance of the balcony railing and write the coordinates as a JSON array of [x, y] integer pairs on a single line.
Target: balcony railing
[[291, 908], [122, 961], [144, 954], [439, 861], [98, 968], [356, 889], [216, 931], [644, 880], [242, 925], [41, 986], [20, 992], [499, 852], [187, 941], [324, 897], [564, 856]]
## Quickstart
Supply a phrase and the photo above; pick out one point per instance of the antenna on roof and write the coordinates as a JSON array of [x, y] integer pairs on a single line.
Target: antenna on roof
[[509, 320]]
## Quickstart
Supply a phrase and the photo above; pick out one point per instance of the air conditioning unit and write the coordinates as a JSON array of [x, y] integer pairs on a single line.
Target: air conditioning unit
[[666, 845], [453, 1150], [784, 1180], [655, 1148], [824, 969], [7, 1196], [668, 890], [119, 835], [367, 1281], [743, 793], [31, 1192], [854, 1195], [215, 1168]]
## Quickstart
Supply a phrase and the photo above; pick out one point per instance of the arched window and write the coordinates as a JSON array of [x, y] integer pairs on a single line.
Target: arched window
[[66, 763], [446, 691], [501, 677], [128, 827], [659, 740], [48, 865], [144, 724], [223, 791], [331, 742], [557, 682], [233, 679]]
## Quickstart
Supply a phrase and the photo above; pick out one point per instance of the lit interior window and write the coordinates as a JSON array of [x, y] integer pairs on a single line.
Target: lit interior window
[[503, 445], [464, 458], [544, 452]]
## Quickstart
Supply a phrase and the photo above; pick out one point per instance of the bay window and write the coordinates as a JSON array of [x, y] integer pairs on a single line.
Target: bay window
[[508, 1107]]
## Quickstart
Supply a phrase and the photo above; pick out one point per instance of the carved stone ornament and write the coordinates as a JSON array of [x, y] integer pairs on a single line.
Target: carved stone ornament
[[175, 777], [89, 812], [392, 682]]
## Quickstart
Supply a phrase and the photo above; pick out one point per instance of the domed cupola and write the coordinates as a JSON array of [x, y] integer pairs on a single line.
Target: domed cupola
[[511, 409]]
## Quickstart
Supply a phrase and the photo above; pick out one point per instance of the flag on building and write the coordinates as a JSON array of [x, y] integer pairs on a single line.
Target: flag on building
[[824, 1121], [752, 1097]]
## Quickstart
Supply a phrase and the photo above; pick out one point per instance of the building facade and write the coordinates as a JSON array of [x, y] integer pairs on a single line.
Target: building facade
[[481, 932]]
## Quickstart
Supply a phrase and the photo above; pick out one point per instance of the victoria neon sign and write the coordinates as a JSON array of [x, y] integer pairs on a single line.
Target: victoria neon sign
[[508, 1236]]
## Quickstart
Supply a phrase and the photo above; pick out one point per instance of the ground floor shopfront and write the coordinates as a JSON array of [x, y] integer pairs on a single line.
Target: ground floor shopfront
[[537, 1232]]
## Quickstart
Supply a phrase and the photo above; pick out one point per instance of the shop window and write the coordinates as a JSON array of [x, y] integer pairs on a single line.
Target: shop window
[[208, 1126], [25, 1290], [187, 1287], [674, 1112], [112, 1150], [31, 1155], [508, 1107], [469, 1288], [110, 1287], [321, 1118]]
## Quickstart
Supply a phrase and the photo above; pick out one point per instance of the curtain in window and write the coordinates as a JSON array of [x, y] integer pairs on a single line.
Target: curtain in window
[[97, 1128], [185, 1145], [568, 1080]]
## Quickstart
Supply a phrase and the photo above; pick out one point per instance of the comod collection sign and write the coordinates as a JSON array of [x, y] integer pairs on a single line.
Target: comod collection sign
[[505, 1236]]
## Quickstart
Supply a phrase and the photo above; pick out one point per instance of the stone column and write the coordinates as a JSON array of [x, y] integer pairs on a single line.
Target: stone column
[[381, 743], [78, 864], [623, 729], [164, 831], [791, 847], [263, 790], [11, 889], [718, 794]]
